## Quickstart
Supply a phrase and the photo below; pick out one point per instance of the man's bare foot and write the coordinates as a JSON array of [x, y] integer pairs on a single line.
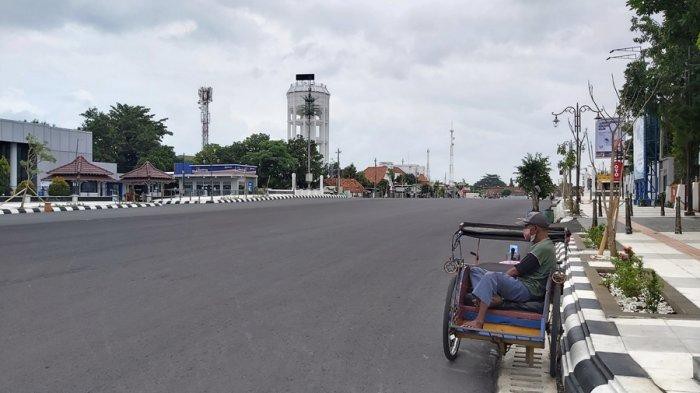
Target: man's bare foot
[[474, 324]]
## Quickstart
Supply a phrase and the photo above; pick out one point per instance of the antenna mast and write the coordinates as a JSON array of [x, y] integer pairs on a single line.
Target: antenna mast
[[452, 155], [205, 97]]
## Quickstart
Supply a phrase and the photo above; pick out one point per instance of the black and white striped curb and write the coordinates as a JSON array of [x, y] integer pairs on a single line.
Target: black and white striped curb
[[203, 200], [76, 208], [250, 198], [594, 358]]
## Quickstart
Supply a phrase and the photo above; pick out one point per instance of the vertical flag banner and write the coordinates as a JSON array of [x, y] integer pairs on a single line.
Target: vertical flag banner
[[604, 129], [638, 146]]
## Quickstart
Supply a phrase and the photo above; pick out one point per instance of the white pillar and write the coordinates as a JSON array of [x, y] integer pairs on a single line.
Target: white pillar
[[181, 186], [13, 165], [194, 186], [320, 183], [294, 181], [221, 187], [245, 186]]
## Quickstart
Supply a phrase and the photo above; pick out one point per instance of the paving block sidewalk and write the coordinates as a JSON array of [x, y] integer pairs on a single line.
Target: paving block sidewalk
[[662, 347]]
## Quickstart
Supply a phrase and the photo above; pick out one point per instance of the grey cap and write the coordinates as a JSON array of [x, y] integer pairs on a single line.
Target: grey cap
[[536, 218]]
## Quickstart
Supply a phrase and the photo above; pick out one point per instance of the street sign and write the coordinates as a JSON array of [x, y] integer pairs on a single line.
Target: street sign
[[617, 170]]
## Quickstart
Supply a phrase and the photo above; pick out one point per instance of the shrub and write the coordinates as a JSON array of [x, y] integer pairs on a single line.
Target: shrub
[[59, 187], [633, 280], [595, 234], [652, 292]]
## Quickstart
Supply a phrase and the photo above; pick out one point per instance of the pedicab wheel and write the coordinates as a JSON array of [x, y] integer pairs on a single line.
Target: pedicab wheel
[[450, 342], [555, 330]]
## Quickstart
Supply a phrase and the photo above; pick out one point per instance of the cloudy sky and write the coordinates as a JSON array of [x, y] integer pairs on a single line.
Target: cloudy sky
[[399, 72]]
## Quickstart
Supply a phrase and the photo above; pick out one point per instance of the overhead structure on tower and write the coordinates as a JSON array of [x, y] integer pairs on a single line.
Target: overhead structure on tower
[[205, 97]]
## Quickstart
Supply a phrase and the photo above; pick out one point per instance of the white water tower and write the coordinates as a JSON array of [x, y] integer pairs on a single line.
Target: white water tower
[[296, 124]]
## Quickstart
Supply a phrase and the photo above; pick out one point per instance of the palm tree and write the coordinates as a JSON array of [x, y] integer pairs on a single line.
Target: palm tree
[[309, 111]]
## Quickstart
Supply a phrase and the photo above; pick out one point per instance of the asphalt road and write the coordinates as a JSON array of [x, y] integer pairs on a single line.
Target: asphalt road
[[284, 296]]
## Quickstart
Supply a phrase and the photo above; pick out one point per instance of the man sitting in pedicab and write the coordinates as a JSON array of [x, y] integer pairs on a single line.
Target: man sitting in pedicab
[[523, 282]]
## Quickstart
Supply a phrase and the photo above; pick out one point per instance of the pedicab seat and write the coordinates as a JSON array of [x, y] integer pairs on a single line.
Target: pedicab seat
[[531, 306]]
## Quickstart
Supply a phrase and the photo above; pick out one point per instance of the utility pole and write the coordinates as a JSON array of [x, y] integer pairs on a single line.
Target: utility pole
[[576, 132], [452, 155], [338, 185], [427, 169], [374, 190]]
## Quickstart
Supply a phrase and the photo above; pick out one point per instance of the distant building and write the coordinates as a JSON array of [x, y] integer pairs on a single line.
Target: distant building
[[216, 179], [376, 174], [64, 144], [297, 124], [351, 186]]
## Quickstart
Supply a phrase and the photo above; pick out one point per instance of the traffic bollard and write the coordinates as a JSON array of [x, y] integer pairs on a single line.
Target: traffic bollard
[[594, 223], [631, 206], [679, 229], [628, 216], [662, 200]]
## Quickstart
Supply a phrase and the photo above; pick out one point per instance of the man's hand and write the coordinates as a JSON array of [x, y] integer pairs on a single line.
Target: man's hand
[[513, 272]]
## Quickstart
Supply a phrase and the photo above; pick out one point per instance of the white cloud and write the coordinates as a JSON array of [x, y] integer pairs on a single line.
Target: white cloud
[[398, 73]]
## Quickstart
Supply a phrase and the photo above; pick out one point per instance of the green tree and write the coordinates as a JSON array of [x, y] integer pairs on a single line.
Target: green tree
[[210, 154], [533, 177], [125, 134], [349, 172], [426, 190], [36, 153], [298, 149], [667, 71], [163, 157], [505, 192], [4, 176], [488, 181], [566, 165], [383, 187], [273, 159], [59, 187]]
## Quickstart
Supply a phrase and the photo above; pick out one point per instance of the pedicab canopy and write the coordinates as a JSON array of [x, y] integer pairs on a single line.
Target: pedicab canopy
[[146, 174], [507, 232], [80, 170]]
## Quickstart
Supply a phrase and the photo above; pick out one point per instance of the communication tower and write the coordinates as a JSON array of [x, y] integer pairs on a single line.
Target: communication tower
[[205, 97]]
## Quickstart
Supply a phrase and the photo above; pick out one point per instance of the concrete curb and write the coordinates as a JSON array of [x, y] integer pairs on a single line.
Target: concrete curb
[[249, 198], [594, 358]]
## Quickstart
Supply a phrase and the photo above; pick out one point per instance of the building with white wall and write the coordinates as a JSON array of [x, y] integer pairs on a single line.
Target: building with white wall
[[65, 144], [298, 125]]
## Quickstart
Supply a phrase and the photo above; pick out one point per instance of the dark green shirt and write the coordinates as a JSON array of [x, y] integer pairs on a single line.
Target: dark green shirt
[[536, 279]]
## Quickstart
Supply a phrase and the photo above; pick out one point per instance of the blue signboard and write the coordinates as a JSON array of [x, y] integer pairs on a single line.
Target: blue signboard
[[250, 186]]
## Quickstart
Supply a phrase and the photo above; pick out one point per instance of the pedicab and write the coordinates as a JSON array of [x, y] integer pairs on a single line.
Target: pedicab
[[531, 324]]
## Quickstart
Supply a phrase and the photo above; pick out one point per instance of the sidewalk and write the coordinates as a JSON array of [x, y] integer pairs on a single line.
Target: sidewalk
[[664, 347]]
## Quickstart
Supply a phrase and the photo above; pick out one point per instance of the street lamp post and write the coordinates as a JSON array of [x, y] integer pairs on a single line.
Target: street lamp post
[[576, 132]]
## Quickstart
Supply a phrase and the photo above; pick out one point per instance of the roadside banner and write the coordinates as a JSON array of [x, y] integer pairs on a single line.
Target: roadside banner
[[638, 146], [604, 129], [617, 171]]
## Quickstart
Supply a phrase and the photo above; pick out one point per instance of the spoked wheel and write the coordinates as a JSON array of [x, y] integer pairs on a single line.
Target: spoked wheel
[[450, 342], [555, 330]]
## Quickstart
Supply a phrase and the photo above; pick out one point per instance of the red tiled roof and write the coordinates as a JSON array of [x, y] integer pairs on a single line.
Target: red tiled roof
[[422, 179], [82, 169], [398, 171], [351, 185], [375, 174], [146, 172]]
